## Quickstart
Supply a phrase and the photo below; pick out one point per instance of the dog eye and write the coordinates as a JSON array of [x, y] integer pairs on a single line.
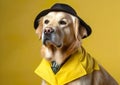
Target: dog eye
[[46, 21], [62, 22]]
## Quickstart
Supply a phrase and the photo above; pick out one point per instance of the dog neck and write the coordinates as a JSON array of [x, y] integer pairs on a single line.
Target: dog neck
[[65, 53], [62, 55]]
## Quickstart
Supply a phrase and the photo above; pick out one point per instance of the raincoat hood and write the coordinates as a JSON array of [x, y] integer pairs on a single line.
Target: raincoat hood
[[78, 65]]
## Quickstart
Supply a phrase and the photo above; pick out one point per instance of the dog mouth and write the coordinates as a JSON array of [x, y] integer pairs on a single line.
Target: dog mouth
[[51, 41]]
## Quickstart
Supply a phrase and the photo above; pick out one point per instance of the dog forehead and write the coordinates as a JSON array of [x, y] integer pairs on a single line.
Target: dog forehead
[[57, 15]]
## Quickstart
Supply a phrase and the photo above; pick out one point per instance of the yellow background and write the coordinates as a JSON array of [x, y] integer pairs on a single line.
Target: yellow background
[[19, 45]]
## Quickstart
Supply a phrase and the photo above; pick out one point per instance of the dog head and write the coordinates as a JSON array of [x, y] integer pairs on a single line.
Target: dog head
[[59, 30]]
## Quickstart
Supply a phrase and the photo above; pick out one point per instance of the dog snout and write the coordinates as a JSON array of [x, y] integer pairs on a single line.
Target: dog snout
[[48, 35], [48, 30]]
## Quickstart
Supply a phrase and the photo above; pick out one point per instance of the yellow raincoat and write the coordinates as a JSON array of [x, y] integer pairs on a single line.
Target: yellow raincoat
[[78, 65]]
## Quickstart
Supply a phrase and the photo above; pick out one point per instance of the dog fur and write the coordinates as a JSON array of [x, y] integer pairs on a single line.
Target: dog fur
[[65, 38]]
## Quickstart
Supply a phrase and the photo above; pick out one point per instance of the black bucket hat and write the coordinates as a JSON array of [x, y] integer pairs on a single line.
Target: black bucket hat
[[64, 8]]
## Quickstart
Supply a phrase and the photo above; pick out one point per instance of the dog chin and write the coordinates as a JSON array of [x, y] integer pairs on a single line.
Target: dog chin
[[49, 43]]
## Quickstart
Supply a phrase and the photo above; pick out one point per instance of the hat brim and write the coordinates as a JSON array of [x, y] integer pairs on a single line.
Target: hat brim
[[45, 12]]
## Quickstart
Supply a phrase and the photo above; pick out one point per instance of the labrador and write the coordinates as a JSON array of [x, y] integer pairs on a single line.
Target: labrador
[[61, 35]]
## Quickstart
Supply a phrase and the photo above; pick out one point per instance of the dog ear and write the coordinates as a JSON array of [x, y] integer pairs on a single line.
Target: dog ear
[[39, 28], [83, 31], [79, 30]]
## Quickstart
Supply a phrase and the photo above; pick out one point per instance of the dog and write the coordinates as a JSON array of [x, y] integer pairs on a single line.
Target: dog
[[65, 61]]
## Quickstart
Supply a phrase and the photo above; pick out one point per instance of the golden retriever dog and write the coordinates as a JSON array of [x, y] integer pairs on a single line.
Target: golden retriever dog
[[65, 61]]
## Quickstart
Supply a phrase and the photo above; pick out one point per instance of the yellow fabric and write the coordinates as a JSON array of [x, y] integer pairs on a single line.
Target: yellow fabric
[[79, 64]]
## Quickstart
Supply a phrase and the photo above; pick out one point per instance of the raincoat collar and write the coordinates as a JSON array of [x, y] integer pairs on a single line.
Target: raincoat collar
[[78, 65]]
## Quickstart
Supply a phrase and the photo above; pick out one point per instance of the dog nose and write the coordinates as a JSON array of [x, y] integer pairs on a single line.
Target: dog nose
[[48, 30]]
